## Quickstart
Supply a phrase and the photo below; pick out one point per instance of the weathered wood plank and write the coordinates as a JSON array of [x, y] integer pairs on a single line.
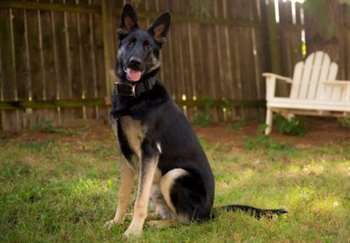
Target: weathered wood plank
[[91, 51], [74, 103], [81, 8], [14, 118], [82, 87], [2, 81], [107, 19], [180, 18], [56, 65]]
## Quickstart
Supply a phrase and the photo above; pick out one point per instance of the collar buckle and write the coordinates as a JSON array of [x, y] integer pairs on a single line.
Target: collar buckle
[[125, 89]]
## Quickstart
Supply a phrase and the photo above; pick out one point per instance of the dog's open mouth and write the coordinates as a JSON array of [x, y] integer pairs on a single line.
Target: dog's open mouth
[[133, 75]]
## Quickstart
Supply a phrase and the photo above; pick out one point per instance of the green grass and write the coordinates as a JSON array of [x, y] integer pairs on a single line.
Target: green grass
[[62, 187]]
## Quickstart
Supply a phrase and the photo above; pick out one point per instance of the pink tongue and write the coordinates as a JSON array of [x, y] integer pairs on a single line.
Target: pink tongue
[[133, 75]]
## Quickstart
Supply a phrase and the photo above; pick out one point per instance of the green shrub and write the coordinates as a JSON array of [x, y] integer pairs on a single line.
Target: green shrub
[[203, 117], [344, 122], [237, 125], [294, 126], [44, 126]]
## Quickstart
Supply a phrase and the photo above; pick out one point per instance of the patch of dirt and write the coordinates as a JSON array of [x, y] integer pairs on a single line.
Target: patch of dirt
[[320, 131]]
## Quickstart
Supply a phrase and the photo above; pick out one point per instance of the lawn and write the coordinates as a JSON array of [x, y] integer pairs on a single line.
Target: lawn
[[60, 185]]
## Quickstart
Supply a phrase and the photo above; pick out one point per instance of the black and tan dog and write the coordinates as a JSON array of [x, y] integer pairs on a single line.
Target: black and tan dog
[[156, 138]]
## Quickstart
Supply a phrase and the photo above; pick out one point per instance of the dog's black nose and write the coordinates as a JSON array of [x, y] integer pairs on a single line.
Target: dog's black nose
[[134, 63]]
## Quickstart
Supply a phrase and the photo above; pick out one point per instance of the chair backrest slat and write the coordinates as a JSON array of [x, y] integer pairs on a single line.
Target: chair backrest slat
[[315, 75], [335, 91], [323, 76], [305, 80], [308, 77], [298, 73]]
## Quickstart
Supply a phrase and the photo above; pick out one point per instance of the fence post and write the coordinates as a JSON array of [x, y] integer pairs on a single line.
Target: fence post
[[273, 37], [108, 47]]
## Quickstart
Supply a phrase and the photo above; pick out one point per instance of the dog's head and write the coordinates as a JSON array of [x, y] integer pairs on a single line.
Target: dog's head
[[138, 53]]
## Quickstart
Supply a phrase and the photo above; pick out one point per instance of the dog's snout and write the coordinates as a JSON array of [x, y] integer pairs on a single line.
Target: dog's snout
[[135, 63]]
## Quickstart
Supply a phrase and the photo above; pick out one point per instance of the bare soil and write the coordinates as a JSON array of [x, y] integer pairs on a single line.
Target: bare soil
[[319, 132]]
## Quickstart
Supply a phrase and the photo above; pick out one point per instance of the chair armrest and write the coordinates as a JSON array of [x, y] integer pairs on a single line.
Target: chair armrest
[[271, 83], [343, 84], [336, 82], [276, 76]]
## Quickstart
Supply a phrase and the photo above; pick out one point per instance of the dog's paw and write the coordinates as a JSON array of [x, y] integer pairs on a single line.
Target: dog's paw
[[110, 223], [160, 224], [133, 232]]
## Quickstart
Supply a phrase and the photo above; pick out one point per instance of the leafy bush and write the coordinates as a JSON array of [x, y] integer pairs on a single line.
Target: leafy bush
[[237, 125], [44, 126], [202, 119], [203, 115], [294, 126], [344, 122]]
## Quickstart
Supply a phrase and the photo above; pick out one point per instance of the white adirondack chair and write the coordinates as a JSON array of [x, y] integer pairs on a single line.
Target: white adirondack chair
[[314, 91]]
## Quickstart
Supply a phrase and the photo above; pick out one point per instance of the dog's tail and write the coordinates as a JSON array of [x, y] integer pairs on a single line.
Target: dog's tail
[[256, 212]]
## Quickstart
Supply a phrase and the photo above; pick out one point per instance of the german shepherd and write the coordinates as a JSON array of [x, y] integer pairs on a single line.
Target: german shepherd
[[156, 138]]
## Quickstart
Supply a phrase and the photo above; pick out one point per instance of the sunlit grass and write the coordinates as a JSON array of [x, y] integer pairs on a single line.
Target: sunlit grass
[[63, 187]]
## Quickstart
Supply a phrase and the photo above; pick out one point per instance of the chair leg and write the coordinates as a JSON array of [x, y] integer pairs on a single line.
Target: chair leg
[[269, 118]]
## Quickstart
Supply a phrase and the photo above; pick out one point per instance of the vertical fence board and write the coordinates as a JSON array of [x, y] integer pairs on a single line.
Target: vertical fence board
[[82, 73], [10, 92], [92, 88], [75, 42], [56, 65], [27, 122], [67, 114], [48, 49], [2, 81]]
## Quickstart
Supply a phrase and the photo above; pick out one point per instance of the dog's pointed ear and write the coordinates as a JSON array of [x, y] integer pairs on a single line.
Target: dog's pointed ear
[[128, 21], [160, 28]]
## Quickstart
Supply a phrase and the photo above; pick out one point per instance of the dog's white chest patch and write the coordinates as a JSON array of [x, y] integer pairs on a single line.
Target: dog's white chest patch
[[134, 132], [159, 147]]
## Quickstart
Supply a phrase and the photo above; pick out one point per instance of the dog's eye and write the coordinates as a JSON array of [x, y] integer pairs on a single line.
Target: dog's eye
[[131, 42], [146, 45]]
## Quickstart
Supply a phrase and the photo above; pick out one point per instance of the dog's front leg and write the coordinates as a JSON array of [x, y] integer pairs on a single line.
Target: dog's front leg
[[146, 175], [124, 193]]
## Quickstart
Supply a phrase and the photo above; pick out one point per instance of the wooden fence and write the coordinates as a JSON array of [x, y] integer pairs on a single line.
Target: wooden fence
[[55, 56], [338, 44], [52, 62]]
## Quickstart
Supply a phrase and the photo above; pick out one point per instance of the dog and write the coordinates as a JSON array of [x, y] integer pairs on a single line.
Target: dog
[[155, 137]]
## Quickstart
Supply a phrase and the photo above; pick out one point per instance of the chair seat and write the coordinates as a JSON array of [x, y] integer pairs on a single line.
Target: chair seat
[[288, 103]]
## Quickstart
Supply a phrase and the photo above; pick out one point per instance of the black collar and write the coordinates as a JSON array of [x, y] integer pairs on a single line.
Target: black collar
[[126, 88]]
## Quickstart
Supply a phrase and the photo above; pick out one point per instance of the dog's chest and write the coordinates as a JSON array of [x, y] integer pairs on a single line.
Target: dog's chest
[[134, 132]]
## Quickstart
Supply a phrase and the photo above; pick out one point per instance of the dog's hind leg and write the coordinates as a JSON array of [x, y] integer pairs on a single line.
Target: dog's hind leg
[[186, 195], [166, 186], [162, 211], [124, 193]]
